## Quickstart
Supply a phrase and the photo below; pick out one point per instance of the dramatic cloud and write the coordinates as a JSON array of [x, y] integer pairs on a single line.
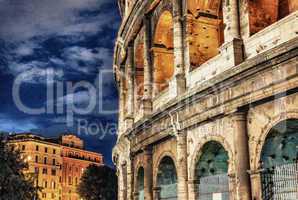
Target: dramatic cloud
[[59, 41], [34, 72], [33, 18]]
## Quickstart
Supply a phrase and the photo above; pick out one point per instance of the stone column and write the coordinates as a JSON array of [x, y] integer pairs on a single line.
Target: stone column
[[148, 70], [129, 73], [256, 186], [192, 189], [177, 85], [124, 182], [241, 156], [130, 181], [182, 170], [156, 193], [231, 20], [232, 47], [148, 173]]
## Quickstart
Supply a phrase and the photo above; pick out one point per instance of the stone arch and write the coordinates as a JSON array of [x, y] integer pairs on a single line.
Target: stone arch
[[204, 30], [265, 132], [211, 166], [163, 51], [157, 163], [166, 178], [263, 13], [197, 154]]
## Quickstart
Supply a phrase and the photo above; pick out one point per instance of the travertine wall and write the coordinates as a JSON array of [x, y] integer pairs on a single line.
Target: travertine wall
[[234, 98]]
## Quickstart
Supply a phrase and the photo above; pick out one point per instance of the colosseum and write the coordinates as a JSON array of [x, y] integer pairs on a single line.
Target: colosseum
[[208, 100]]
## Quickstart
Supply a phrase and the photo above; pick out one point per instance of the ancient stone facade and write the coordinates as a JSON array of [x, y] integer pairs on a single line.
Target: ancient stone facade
[[208, 100]]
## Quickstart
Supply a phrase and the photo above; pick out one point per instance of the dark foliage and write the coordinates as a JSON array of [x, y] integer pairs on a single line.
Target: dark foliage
[[98, 183], [14, 184]]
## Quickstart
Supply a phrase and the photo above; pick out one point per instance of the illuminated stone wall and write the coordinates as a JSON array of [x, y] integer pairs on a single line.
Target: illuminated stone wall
[[210, 72]]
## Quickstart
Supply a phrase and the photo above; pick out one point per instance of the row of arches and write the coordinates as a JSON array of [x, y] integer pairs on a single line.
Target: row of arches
[[212, 165], [204, 34]]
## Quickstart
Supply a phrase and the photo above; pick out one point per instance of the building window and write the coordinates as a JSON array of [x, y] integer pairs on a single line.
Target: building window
[[45, 160], [53, 185], [54, 161], [45, 184], [69, 180], [46, 150], [60, 179], [54, 172], [53, 196], [37, 148], [76, 181], [44, 171], [54, 151], [44, 195], [23, 147], [36, 159], [36, 170]]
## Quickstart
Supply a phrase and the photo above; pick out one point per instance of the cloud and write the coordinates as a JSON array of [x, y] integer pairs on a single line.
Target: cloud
[[34, 72], [85, 60], [15, 125], [26, 48], [33, 18]]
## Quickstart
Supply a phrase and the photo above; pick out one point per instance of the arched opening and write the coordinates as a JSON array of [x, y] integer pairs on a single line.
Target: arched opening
[[263, 13], [167, 179], [279, 161], [140, 184], [139, 69], [204, 30], [163, 51], [211, 172]]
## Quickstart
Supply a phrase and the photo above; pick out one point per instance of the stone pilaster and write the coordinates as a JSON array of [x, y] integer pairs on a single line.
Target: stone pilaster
[[148, 70], [256, 186], [156, 193], [177, 85], [182, 170], [148, 171], [130, 80], [231, 20], [130, 181], [232, 48], [123, 183], [192, 189], [129, 75], [241, 156], [121, 100]]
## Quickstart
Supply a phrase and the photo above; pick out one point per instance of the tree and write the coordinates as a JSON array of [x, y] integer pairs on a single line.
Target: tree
[[14, 184], [98, 183]]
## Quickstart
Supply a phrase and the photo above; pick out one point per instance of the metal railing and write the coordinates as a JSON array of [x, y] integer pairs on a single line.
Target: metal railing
[[280, 183]]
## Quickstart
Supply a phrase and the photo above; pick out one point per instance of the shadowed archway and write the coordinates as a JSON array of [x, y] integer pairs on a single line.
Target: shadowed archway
[[167, 179], [211, 172]]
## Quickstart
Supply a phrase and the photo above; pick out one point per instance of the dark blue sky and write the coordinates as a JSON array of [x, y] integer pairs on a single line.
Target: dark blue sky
[[48, 45]]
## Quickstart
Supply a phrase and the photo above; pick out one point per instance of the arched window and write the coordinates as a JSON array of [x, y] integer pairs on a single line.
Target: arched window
[[263, 13], [204, 30], [279, 161], [140, 184], [167, 179], [163, 51], [211, 172]]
